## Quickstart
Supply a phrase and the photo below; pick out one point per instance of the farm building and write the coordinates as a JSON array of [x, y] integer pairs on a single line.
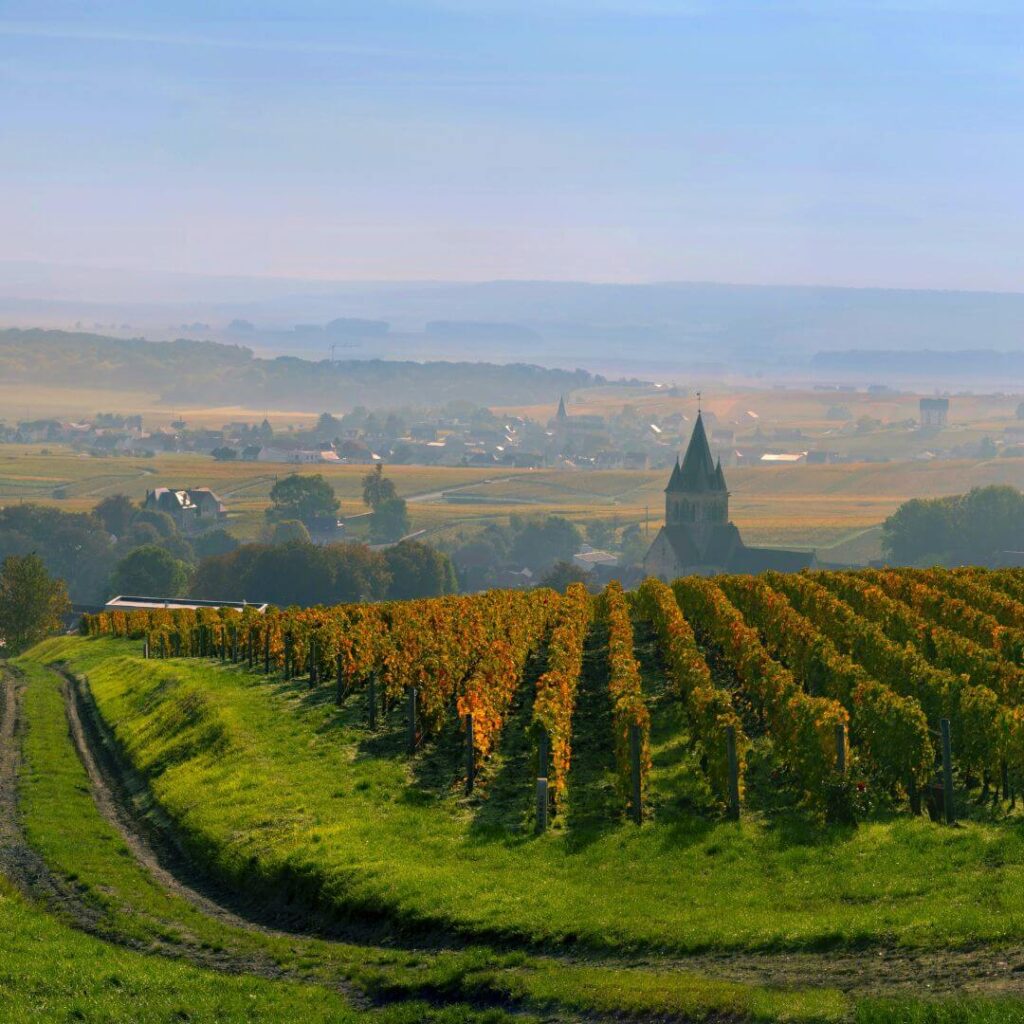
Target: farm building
[[934, 412], [193, 509]]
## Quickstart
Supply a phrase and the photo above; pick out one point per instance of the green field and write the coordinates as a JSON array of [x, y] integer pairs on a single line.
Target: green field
[[803, 506], [277, 794]]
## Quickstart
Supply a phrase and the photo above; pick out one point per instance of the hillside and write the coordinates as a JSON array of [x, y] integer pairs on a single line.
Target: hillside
[[203, 372], [260, 771]]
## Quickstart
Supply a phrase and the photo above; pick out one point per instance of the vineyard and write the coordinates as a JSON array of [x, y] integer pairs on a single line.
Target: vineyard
[[841, 694]]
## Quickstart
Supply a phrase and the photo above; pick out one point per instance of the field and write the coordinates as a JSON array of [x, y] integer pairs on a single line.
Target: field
[[818, 507], [209, 800]]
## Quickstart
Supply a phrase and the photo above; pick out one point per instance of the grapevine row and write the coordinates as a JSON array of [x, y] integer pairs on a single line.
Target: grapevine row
[[708, 707], [891, 730], [802, 726]]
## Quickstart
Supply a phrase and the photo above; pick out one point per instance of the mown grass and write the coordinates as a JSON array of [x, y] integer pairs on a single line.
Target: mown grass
[[56, 804], [49, 972], [297, 798]]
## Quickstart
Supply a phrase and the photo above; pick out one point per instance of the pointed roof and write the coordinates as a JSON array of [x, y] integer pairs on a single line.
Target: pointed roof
[[673, 480], [562, 414], [698, 471]]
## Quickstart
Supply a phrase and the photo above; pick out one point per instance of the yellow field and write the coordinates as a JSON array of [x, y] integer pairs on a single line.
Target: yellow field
[[808, 506]]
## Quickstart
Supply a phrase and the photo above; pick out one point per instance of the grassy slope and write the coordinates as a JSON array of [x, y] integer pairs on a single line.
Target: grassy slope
[[56, 803], [276, 785], [48, 972]]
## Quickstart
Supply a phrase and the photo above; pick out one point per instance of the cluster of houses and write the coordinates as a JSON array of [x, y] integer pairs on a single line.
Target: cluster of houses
[[584, 441]]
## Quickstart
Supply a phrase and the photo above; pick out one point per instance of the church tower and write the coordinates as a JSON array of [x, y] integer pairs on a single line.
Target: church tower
[[696, 494]]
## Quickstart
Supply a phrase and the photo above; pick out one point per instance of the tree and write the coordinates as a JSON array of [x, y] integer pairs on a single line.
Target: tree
[[390, 521], [73, 545], [116, 513], [214, 542], [289, 530], [151, 571], [542, 542], [561, 575], [161, 521], [920, 527], [31, 602], [302, 497], [419, 571], [601, 533], [224, 454], [377, 488]]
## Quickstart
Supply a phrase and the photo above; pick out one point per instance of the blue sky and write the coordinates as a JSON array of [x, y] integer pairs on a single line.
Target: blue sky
[[829, 142]]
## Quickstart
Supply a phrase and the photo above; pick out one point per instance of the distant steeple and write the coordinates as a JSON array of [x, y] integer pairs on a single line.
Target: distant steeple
[[561, 414], [696, 494], [698, 469]]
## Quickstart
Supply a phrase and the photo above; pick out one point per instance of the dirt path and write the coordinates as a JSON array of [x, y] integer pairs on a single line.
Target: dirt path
[[118, 794]]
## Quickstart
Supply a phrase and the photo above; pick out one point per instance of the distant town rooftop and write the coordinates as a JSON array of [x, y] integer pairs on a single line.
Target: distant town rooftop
[[131, 603]]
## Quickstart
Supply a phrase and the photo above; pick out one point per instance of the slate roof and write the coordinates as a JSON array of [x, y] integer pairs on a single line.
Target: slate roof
[[698, 471], [720, 544]]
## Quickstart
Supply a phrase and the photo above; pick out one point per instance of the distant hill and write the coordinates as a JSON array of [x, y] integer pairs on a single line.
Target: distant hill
[[650, 329], [191, 372]]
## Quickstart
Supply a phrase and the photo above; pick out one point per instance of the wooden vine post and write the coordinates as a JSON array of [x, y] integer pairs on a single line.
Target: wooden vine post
[[339, 679], [636, 799], [470, 756], [371, 698], [312, 663], [411, 719], [542, 781], [734, 772], [947, 772]]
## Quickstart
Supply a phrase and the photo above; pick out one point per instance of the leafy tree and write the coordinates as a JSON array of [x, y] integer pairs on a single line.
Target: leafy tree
[[377, 488], [289, 530], [116, 513], [73, 545], [302, 497], [294, 573], [359, 573], [542, 542], [418, 570], [390, 521], [151, 571], [31, 602], [632, 545], [970, 528], [601, 533], [224, 454], [160, 521], [561, 575], [214, 542]]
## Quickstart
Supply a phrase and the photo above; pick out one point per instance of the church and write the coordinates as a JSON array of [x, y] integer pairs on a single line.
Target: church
[[697, 538]]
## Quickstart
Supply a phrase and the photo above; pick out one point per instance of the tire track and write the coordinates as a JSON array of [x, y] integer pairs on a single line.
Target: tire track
[[983, 970]]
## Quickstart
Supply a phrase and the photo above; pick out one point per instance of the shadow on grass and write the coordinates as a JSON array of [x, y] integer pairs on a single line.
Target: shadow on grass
[[505, 794], [594, 806]]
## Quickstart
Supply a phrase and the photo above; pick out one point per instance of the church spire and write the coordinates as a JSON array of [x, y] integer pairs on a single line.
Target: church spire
[[561, 414], [698, 469]]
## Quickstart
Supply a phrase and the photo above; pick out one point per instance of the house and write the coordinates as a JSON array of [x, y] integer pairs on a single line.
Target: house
[[191, 510], [934, 413], [698, 538]]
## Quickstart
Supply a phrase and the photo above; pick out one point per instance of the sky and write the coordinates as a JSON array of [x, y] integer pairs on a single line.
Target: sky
[[842, 143]]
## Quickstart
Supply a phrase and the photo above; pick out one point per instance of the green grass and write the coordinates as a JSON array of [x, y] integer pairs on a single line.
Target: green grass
[[133, 907], [48, 972], [275, 788]]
